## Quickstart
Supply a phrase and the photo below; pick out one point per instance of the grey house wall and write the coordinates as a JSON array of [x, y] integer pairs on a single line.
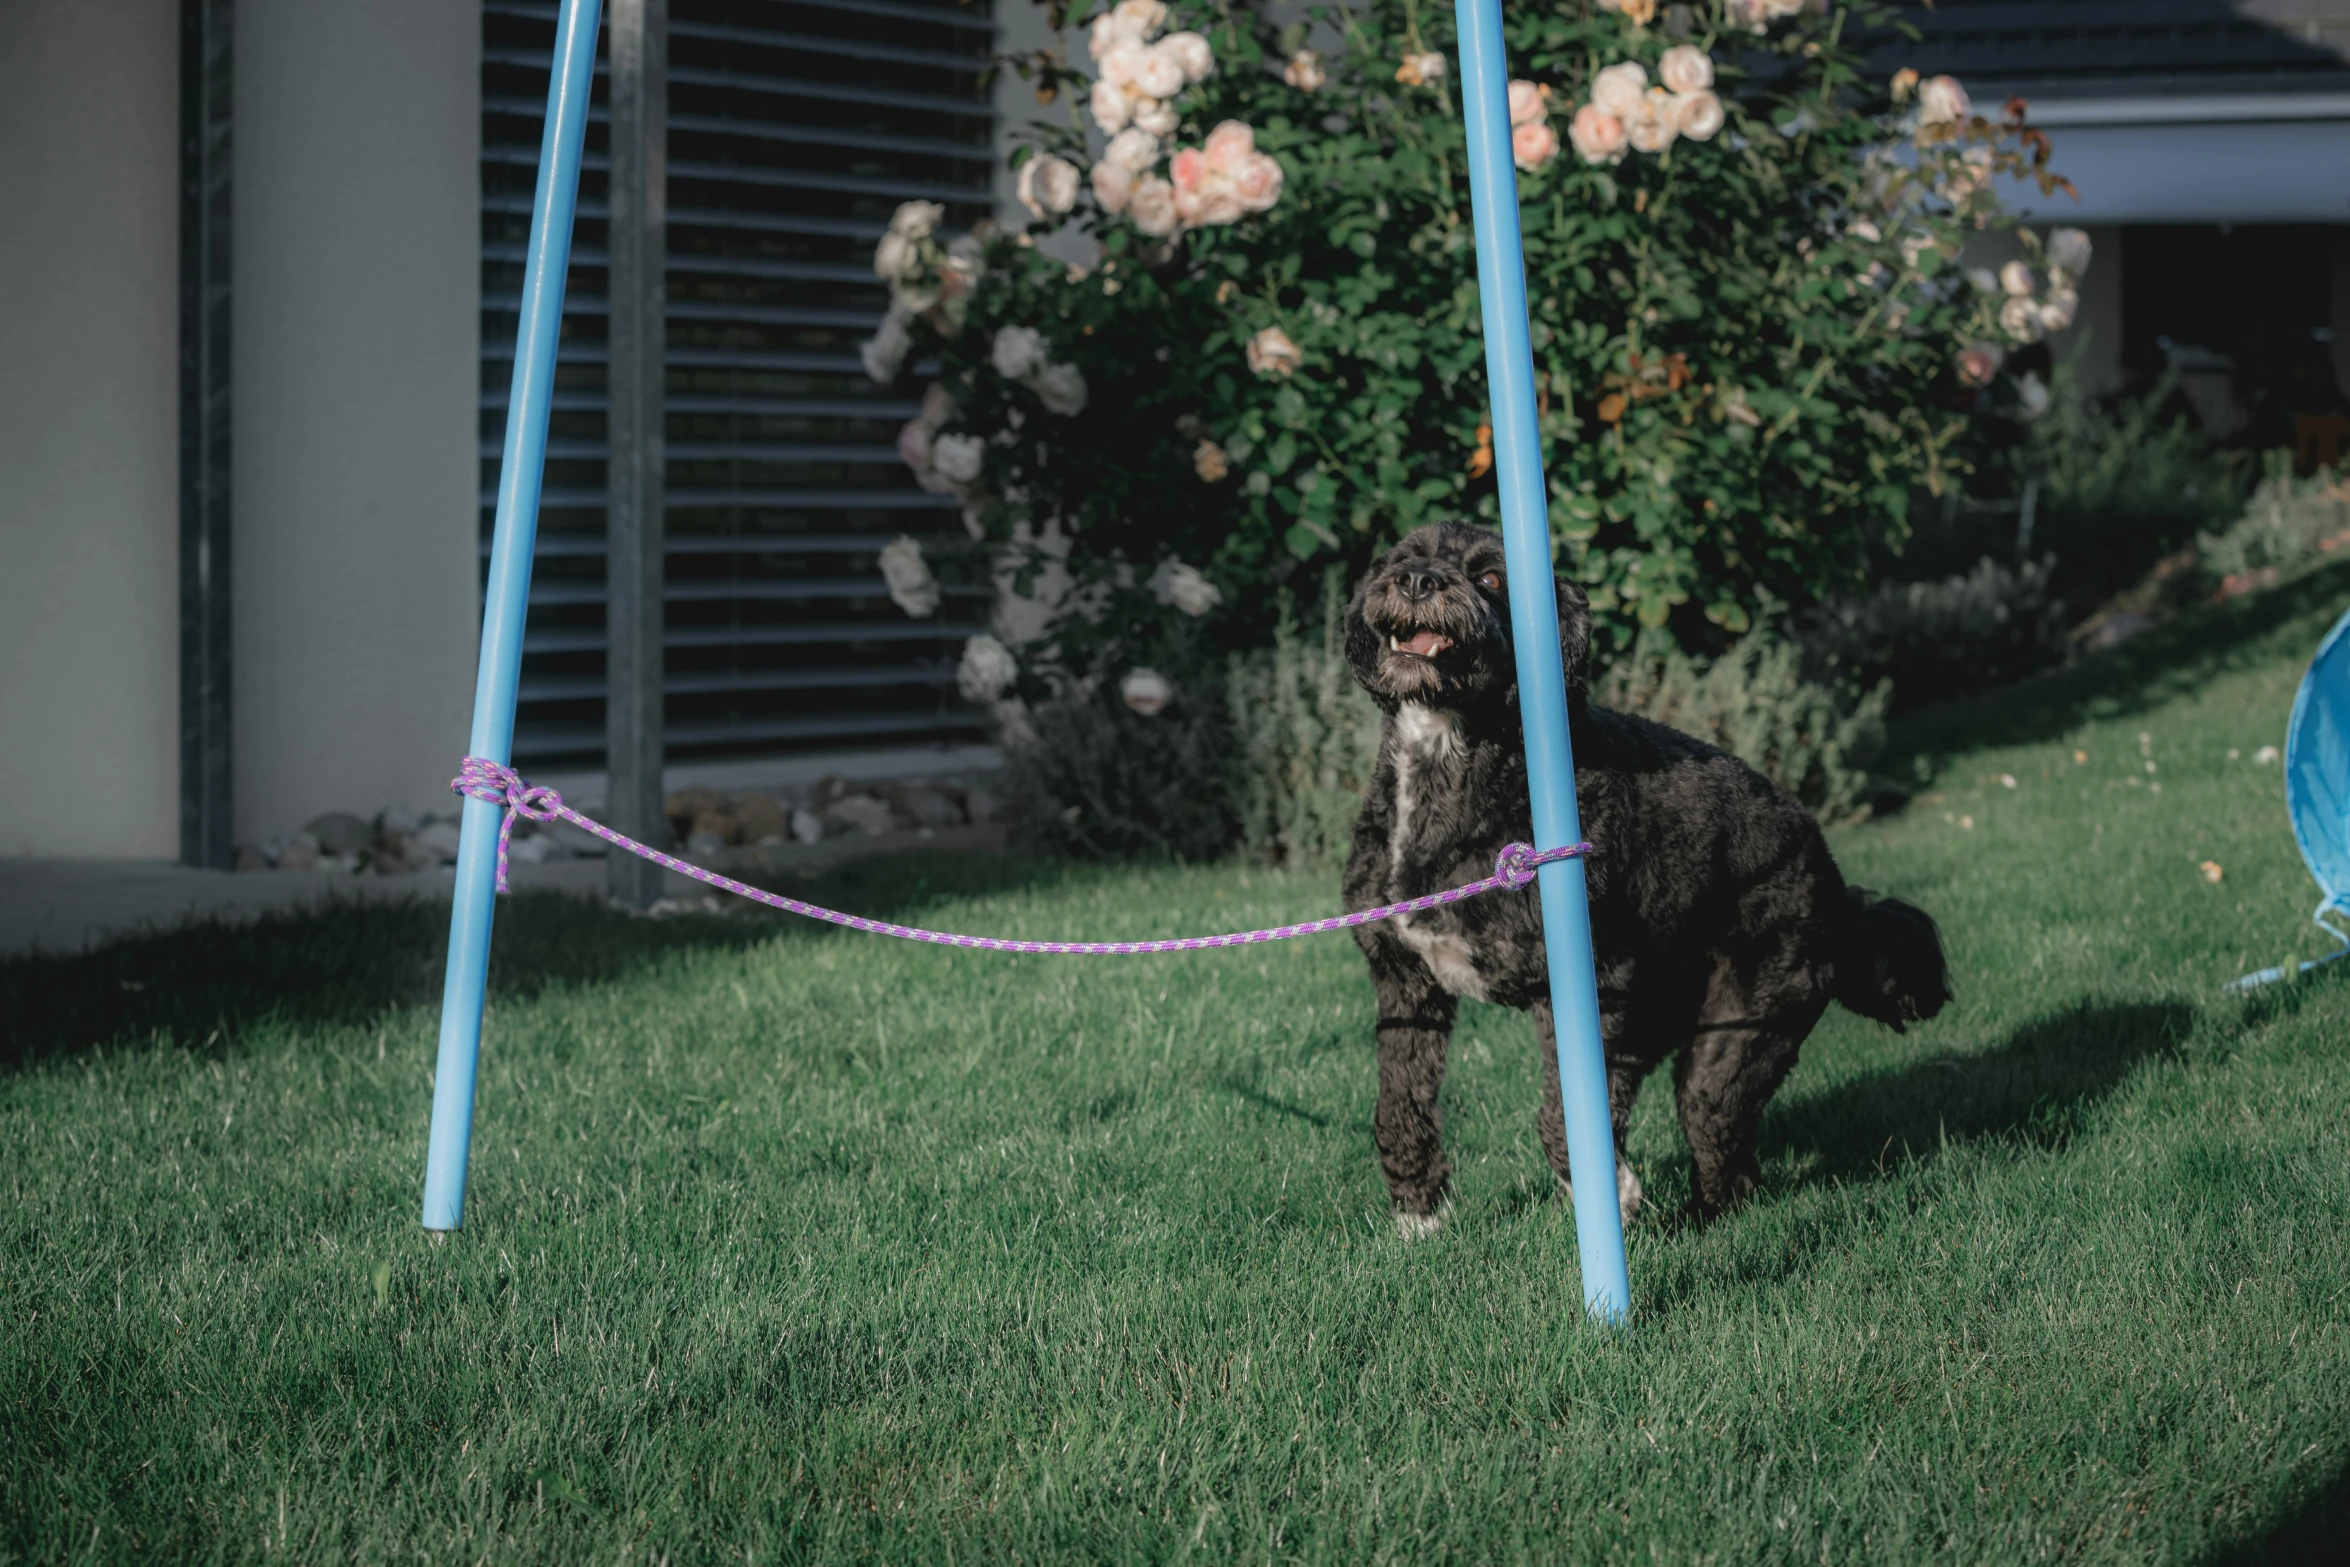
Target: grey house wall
[[356, 297], [89, 438]]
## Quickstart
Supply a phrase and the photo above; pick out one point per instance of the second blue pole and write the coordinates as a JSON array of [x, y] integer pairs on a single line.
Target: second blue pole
[[1542, 686]]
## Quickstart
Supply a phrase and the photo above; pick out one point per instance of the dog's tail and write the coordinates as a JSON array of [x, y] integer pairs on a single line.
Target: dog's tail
[[1890, 965]]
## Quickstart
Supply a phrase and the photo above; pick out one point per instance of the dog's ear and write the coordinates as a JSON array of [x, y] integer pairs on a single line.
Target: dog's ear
[[1362, 644], [1574, 637]]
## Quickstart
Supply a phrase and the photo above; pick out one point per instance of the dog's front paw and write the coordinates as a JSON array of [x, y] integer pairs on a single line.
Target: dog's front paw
[[1419, 1226], [1629, 1197]]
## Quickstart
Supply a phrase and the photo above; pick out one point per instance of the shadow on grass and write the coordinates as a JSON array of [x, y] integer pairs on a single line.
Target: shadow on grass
[[2162, 666], [2314, 1532], [2034, 1090], [201, 985]]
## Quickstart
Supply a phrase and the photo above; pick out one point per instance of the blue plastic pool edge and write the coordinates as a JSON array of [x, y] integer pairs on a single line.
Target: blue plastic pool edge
[[505, 603], [1550, 761]]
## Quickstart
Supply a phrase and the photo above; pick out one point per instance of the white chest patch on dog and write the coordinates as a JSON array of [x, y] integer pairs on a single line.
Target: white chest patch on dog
[[1427, 742]]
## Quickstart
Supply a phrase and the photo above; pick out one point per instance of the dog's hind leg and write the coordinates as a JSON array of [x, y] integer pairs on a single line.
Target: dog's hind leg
[[1415, 1032], [1749, 1033], [1624, 1074]]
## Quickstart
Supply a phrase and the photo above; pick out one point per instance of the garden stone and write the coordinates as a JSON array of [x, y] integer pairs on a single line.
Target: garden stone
[[759, 816], [339, 832], [863, 812], [981, 805], [439, 840], [534, 850], [398, 820], [928, 807], [700, 845], [807, 826], [690, 803], [249, 858], [716, 824], [299, 854]]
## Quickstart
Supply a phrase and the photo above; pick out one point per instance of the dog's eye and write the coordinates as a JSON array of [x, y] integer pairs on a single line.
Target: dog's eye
[[1490, 582]]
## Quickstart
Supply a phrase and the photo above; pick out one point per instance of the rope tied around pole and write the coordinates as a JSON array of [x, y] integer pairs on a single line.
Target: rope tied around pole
[[481, 779]]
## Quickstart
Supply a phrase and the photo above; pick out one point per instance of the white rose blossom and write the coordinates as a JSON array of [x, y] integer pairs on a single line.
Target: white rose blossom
[[1685, 69], [1140, 18], [1146, 691], [912, 587], [1112, 106], [1132, 149], [958, 458], [1942, 101], [1185, 588], [1018, 352], [1152, 206], [1112, 186], [1191, 51], [986, 670], [917, 219], [884, 353], [1047, 186], [1160, 73], [1304, 71], [1156, 116], [1061, 388], [1271, 352], [2068, 252], [1656, 124], [1620, 89], [1701, 115], [2015, 280]]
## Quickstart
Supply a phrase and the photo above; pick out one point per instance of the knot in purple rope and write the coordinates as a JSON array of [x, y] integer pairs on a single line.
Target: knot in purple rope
[[1517, 863], [479, 778]]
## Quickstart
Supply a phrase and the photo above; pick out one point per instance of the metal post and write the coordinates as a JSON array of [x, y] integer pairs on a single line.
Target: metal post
[[1550, 762], [506, 600], [633, 522], [207, 805]]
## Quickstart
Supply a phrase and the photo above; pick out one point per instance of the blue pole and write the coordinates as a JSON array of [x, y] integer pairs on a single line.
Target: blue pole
[[569, 85], [1542, 687]]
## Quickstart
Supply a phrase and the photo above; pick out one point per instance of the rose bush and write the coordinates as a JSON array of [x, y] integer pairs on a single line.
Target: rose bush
[[1751, 345]]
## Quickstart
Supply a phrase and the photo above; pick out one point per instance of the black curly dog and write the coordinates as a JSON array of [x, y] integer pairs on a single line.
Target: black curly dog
[[1722, 926]]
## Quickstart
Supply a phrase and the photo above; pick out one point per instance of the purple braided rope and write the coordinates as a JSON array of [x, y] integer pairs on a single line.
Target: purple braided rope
[[481, 779]]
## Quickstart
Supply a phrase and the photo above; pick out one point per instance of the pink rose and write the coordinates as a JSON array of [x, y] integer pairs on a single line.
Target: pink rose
[[1526, 105], [1598, 137], [1228, 146], [1132, 149], [1187, 169], [1258, 185], [914, 444], [1618, 89], [1655, 124], [1979, 363], [1534, 145], [1112, 185]]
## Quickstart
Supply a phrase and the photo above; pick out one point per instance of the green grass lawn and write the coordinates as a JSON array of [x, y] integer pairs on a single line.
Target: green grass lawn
[[791, 1244]]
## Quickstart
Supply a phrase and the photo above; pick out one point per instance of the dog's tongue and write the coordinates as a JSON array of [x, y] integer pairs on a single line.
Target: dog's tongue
[[1425, 643]]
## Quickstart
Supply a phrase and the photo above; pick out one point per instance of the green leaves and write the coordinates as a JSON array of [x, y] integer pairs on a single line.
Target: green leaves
[[1745, 344]]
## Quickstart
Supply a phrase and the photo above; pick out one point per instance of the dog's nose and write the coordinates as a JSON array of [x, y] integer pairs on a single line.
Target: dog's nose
[[1420, 584]]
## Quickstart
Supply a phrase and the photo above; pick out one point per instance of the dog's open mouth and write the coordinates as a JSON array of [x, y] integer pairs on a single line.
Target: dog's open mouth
[[1420, 644]]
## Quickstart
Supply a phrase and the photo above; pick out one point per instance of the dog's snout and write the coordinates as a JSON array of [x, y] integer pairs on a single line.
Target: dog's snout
[[1420, 583]]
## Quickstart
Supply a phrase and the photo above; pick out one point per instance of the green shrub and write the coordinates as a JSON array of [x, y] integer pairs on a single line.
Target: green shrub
[[1089, 779], [1932, 640], [1304, 738], [1749, 340], [2287, 522], [1815, 741]]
